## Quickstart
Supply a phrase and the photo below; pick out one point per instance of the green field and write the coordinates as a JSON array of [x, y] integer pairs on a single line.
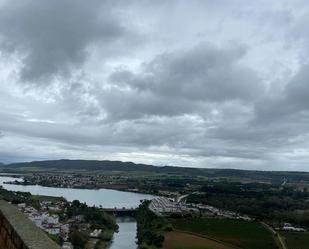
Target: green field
[[295, 240], [242, 234]]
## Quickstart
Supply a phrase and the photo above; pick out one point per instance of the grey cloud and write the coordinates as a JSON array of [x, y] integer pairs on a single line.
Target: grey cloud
[[287, 104], [121, 105], [299, 29], [53, 36], [205, 73], [182, 82], [14, 157], [297, 91], [189, 92]]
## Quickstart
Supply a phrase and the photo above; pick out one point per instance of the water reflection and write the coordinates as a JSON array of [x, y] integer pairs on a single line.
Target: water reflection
[[126, 237], [108, 198]]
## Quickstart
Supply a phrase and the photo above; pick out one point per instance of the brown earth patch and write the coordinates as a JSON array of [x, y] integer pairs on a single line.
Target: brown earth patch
[[176, 239]]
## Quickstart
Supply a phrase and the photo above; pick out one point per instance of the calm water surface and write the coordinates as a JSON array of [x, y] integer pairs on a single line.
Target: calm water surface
[[108, 198], [125, 238]]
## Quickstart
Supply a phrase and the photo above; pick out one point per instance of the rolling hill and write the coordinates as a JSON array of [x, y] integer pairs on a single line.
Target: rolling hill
[[112, 166]]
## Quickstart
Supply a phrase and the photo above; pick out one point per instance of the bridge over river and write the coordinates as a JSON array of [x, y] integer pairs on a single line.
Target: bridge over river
[[120, 211]]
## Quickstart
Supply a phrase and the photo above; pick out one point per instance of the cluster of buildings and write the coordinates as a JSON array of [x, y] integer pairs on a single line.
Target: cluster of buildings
[[64, 181], [219, 212], [47, 217], [163, 205], [166, 205], [96, 233], [291, 228], [45, 220], [71, 180]]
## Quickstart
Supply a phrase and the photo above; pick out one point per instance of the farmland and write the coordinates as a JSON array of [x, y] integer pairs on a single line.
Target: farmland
[[237, 233], [182, 240], [296, 240]]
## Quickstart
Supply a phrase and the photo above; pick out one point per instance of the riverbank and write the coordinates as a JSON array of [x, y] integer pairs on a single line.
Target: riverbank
[[108, 198], [78, 181], [64, 221]]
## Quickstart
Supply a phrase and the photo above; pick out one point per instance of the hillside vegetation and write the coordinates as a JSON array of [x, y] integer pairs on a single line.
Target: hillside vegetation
[[114, 166]]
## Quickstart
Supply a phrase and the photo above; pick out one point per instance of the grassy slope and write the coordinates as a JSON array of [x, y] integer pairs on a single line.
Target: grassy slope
[[296, 240], [243, 234]]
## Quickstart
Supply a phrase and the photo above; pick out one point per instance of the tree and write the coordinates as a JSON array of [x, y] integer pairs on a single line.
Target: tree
[[78, 239]]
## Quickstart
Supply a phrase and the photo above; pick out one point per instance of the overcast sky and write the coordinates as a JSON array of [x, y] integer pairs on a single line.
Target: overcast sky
[[204, 83]]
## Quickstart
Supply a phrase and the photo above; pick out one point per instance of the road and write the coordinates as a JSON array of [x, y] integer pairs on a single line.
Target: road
[[277, 236], [181, 198]]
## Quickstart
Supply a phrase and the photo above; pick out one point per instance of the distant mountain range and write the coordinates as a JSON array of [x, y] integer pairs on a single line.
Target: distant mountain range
[[114, 166]]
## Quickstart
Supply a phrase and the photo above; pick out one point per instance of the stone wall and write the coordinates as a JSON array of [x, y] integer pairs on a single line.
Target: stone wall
[[18, 232]]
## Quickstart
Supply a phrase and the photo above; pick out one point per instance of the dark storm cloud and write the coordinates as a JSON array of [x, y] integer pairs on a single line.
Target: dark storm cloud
[[204, 72], [52, 37], [181, 82]]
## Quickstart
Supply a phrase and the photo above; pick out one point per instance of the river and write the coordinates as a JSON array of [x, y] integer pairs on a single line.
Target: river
[[108, 198]]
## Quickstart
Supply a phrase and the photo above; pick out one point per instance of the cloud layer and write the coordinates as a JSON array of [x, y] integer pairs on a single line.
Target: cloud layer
[[204, 84], [52, 38]]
